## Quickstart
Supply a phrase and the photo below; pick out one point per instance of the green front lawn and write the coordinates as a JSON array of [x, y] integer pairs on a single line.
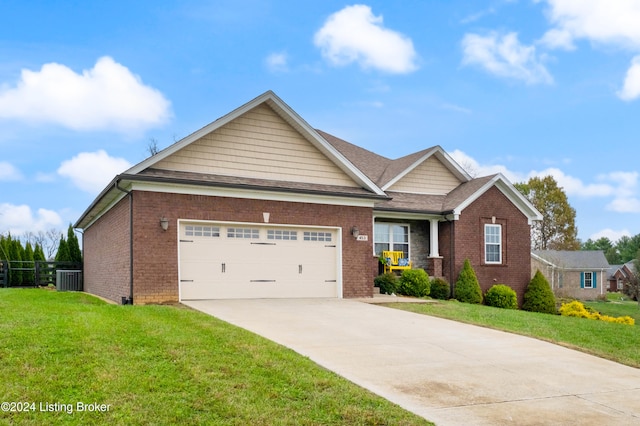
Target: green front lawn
[[617, 342], [162, 365], [617, 305]]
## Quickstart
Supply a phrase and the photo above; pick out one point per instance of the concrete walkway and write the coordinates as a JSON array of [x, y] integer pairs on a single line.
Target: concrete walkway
[[447, 372]]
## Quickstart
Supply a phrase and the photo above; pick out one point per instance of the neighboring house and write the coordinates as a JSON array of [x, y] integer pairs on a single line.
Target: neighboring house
[[259, 204], [619, 276], [576, 274]]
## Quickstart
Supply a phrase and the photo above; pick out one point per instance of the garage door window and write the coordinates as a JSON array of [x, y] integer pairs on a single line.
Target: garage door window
[[201, 231], [317, 236], [279, 234], [248, 233]]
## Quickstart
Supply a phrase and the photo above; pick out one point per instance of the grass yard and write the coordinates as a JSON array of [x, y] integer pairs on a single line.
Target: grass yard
[[161, 365], [617, 342], [617, 305]]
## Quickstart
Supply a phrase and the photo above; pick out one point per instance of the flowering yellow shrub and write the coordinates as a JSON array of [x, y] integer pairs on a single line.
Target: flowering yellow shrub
[[577, 309]]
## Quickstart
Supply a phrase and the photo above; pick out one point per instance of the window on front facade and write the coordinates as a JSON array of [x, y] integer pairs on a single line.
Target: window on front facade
[[492, 243], [588, 280], [391, 236]]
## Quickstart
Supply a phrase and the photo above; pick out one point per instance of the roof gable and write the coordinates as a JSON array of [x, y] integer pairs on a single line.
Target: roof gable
[[577, 260], [259, 144], [414, 165], [429, 176], [260, 153], [468, 192]]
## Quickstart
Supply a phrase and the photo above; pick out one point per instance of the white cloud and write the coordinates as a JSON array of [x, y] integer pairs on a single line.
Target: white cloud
[[624, 205], [505, 56], [602, 21], [620, 185], [8, 172], [611, 234], [558, 39], [106, 97], [354, 34], [575, 186], [631, 88], [92, 171], [278, 62], [20, 219], [456, 108]]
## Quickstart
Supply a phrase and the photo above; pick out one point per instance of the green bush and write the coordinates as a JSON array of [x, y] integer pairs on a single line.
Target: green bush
[[539, 296], [440, 289], [414, 282], [467, 287], [388, 283], [501, 296]]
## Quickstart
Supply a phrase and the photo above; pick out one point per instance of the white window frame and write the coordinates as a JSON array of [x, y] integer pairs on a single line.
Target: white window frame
[[390, 241], [590, 280], [488, 243]]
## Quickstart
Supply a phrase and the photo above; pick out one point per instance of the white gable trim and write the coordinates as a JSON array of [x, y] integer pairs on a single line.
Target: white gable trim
[[291, 117], [441, 155], [500, 182]]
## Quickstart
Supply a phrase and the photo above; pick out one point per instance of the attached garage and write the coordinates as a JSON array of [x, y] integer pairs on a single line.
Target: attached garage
[[239, 260]]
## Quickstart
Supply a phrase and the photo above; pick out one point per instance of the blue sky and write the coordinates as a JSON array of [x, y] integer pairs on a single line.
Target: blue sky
[[523, 88]]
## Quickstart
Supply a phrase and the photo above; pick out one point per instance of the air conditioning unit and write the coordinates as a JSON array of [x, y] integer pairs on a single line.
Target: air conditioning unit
[[68, 280]]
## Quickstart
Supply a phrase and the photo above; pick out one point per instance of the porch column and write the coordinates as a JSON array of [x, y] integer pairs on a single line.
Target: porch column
[[435, 260], [433, 238]]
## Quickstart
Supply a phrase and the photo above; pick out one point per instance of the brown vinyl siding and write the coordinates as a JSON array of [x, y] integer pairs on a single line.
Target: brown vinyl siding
[[260, 145], [430, 177]]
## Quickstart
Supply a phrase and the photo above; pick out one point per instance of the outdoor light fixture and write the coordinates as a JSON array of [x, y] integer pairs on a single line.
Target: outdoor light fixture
[[355, 231], [164, 223]]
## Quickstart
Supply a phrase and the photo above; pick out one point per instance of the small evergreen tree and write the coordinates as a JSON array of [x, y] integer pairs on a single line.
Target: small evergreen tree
[[63, 251], [28, 277], [38, 253], [15, 258], [75, 255], [467, 286], [539, 297]]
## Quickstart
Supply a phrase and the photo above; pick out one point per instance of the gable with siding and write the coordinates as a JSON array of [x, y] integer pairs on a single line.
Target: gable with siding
[[258, 144], [429, 177]]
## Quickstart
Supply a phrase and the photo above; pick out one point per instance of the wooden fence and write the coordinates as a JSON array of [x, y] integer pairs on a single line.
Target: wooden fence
[[38, 273]]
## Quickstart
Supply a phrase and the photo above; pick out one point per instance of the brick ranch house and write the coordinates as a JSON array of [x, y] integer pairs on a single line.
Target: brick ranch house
[[576, 274], [259, 204]]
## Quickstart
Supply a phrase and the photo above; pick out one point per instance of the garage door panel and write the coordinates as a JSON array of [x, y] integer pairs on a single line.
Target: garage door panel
[[257, 261]]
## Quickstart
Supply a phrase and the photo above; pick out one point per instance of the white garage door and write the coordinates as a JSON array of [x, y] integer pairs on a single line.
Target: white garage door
[[237, 261]]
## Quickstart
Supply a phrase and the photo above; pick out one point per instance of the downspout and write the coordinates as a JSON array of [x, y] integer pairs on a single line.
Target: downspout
[[452, 256], [129, 301]]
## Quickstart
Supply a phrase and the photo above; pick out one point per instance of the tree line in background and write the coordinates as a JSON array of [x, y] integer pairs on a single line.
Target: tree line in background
[[557, 230], [22, 258]]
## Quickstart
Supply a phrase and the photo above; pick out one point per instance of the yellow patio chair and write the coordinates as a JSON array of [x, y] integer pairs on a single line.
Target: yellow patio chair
[[395, 261]]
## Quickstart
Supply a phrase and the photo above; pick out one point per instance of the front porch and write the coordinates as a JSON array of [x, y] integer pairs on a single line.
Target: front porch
[[416, 237]]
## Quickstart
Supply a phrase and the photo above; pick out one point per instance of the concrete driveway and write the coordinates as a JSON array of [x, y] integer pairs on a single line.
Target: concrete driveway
[[447, 372]]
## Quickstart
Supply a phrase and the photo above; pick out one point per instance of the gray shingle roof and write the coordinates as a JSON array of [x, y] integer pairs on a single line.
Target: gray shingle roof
[[580, 259]]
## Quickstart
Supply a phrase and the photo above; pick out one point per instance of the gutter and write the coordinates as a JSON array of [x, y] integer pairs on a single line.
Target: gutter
[[128, 301], [452, 248]]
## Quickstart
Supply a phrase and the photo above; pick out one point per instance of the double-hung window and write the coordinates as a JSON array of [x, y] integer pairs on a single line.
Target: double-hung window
[[492, 243], [391, 236], [588, 280]]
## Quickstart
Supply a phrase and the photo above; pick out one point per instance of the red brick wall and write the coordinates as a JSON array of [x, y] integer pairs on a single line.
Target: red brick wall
[[106, 254], [515, 270], [155, 251]]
